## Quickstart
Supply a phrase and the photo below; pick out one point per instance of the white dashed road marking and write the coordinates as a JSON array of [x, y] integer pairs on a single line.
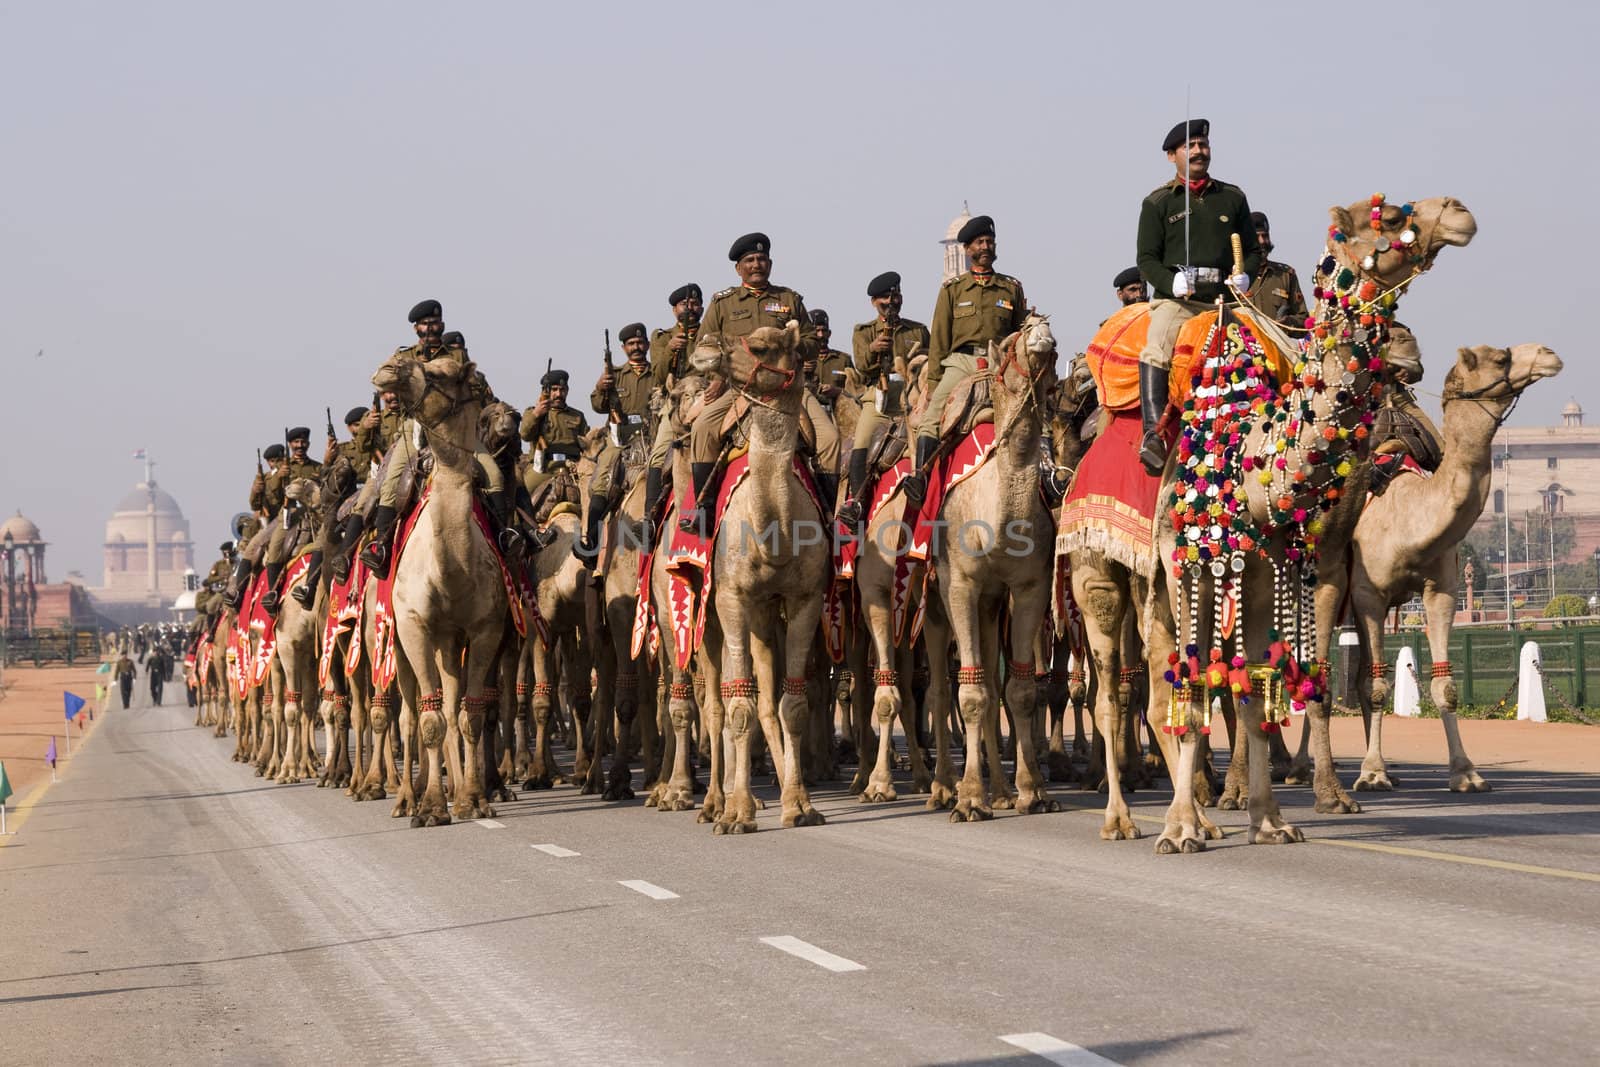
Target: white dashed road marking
[[807, 951], [654, 892], [1057, 1051], [490, 824], [554, 850]]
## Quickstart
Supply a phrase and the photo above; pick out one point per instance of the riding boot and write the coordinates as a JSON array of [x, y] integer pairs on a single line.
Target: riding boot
[[348, 537], [306, 592], [652, 497], [503, 511], [699, 483], [270, 599], [850, 510], [236, 582], [1152, 405], [586, 547], [915, 484], [828, 490], [1055, 485], [376, 554]]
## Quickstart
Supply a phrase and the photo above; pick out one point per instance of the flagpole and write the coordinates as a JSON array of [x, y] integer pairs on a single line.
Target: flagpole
[[3, 831], [68, 731]]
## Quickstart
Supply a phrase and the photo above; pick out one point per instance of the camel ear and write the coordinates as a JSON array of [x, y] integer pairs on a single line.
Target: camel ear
[[1342, 220], [792, 328], [1468, 358]]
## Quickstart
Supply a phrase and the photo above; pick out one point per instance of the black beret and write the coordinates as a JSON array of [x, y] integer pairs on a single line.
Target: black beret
[[355, 415], [819, 317], [630, 331], [226, 546], [684, 292], [553, 377], [428, 309], [1127, 277], [453, 339], [1258, 219], [750, 242], [299, 433], [981, 226], [273, 452], [1177, 138], [883, 283]]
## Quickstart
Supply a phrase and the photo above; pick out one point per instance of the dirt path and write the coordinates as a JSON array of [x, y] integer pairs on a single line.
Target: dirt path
[[32, 712], [1542, 746]]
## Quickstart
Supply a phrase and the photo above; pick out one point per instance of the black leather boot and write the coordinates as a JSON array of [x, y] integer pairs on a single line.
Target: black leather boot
[[348, 538], [270, 598], [587, 546], [376, 554], [828, 490], [652, 497], [850, 511], [236, 582], [1152, 404], [306, 592], [700, 479], [915, 484]]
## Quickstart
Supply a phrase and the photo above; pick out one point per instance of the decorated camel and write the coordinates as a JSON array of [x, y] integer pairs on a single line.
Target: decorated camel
[[769, 561], [450, 595], [1407, 539], [992, 561], [1245, 560], [556, 649]]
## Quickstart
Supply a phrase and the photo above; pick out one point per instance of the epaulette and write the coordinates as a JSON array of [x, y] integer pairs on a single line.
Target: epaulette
[[729, 291], [404, 348], [1165, 187], [951, 281]]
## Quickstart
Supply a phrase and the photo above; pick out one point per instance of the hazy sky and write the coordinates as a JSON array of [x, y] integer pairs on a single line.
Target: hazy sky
[[216, 216]]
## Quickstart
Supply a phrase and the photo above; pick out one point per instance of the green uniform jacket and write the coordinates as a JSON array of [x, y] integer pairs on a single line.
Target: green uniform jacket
[[632, 391], [973, 311], [739, 312], [1215, 215], [262, 498], [907, 335], [663, 371], [830, 361], [1277, 293], [389, 423], [360, 458], [559, 431]]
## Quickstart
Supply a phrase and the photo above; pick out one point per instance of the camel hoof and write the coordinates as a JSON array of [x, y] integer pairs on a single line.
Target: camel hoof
[[969, 811], [1230, 801], [1341, 803], [1184, 844], [1469, 782], [1374, 782], [1059, 767], [1284, 835], [1119, 829], [858, 784], [919, 786], [1038, 804], [1004, 802], [417, 822], [878, 794], [617, 792], [530, 784], [940, 797], [804, 817]]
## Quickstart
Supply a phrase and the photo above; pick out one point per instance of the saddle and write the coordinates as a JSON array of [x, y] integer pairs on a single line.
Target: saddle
[[967, 406], [1113, 355], [559, 492], [1401, 431]]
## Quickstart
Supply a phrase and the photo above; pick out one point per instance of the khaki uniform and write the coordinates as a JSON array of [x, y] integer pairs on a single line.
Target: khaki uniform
[[389, 423], [830, 361], [634, 381], [734, 313], [359, 458], [1277, 295], [665, 374], [558, 434], [971, 311], [409, 437], [278, 542], [877, 402], [1215, 215], [266, 494]]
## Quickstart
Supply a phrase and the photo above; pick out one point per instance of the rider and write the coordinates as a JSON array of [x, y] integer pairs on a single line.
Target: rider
[[1185, 252], [555, 431], [1276, 293], [975, 307], [266, 500], [882, 345], [297, 467], [734, 313], [1130, 287], [669, 361], [623, 398]]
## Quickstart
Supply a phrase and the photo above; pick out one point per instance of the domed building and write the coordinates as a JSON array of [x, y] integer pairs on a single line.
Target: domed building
[[147, 549], [955, 254], [28, 602]]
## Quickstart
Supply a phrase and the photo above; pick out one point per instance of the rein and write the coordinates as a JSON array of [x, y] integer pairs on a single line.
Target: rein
[[745, 388], [1028, 394]]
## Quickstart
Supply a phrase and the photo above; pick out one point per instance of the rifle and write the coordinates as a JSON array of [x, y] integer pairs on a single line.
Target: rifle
[[613, 411]]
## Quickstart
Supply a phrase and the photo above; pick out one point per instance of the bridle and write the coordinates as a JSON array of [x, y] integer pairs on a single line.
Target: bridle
[[746, 388], [1487, 393], [1025, 393], [453, 405]]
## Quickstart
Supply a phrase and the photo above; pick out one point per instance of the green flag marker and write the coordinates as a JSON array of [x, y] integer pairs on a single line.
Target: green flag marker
[[5, 784]]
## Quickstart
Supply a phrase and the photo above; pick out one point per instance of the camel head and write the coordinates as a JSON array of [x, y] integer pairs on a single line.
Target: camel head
[[1025, 368], [1393, 243], [765, 365], [433, 390], [497, 425], [1496, 377], [304, 492]]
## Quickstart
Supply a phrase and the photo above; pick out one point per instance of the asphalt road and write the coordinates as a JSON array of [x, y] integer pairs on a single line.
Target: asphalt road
[[162, 904]]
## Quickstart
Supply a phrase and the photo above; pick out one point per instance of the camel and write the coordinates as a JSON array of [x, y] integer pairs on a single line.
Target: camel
[[1358, 280], [450, 600], [994, 558], [1407, 537], [771, 559], [559, 584], [298, 635]]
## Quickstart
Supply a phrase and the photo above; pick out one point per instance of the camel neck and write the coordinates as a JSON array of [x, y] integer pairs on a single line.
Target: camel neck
[[1466, 467]]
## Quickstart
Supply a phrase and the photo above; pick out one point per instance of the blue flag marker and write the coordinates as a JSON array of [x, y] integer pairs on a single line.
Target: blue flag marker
[[74, 703]]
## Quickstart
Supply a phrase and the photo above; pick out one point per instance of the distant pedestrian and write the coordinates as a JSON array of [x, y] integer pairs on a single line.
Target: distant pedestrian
[[155, 669], [126, 672]]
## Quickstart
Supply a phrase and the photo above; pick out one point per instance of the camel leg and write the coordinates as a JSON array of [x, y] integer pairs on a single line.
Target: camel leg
[[972, 697], [1022, 697], [380, 760], [1267, 824], [602, 717], [921, 778], [1374, 774], [1331, 797], [522, 759], [291, 767], [877, 785], [405, 786], [803, 615], [738, 682], [619, 786], [1001, 796], [937, 641], [542, 770], [1183, 832], [1300, 766], [327, 708], [360, 724], [678, 793], [1439, 603], [1236, 785], [713, 728], [469, 712], [1104, 599]]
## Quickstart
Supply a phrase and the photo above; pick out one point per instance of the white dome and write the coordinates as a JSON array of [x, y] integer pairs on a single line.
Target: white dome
[[22, 530]]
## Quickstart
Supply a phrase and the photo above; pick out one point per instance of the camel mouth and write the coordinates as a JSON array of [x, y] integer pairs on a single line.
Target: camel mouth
[[1457, 226], [1540, 361]]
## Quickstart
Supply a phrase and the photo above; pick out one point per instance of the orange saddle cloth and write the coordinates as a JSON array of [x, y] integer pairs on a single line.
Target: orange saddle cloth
[[1114, 355]]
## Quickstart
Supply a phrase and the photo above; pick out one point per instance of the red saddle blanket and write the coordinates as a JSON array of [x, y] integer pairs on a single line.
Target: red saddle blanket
[[1111, 506], [953, 468], [519, 599], [345, 601]]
